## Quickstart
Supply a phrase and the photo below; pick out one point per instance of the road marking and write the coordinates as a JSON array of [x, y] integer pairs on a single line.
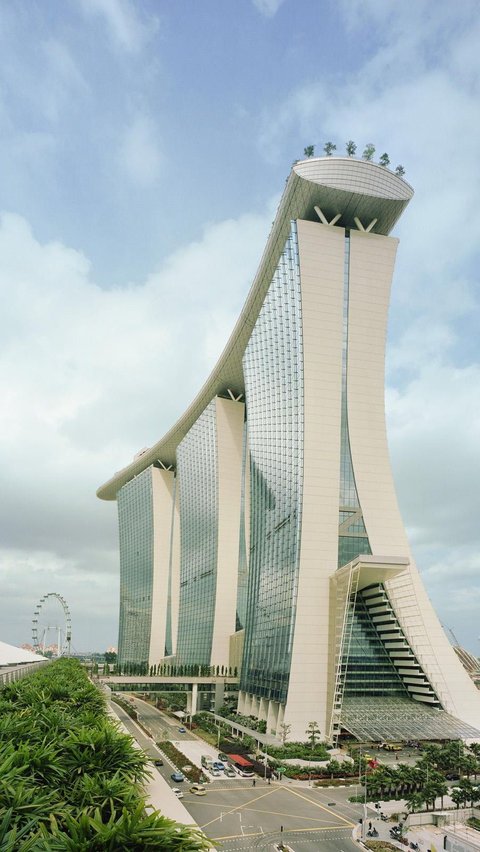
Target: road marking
[[293, 816], [287, 830], [243, 805], [318, 805]]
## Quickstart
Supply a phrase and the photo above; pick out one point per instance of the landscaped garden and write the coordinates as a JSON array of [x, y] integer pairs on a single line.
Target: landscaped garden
[[426, 782], [69, 778], [193, 773]]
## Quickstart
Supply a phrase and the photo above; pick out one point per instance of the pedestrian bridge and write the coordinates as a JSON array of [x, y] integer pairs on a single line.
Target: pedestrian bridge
[[217, 685]]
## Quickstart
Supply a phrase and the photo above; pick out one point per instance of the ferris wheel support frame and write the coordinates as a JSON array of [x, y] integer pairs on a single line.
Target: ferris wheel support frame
[[63, 647]]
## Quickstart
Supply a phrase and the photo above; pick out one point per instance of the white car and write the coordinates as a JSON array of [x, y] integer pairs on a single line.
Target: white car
[[215, 772], [178, 792]]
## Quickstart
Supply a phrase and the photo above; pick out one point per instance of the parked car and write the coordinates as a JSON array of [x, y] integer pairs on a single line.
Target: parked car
[[198, 790], [182, 730], [217, 764], [177, 776], [223, 757], [158, 761], [177, 792], [230, 772], [215, 772]]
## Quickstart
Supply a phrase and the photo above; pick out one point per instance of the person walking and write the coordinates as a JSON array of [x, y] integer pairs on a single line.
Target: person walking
[[254, 782]]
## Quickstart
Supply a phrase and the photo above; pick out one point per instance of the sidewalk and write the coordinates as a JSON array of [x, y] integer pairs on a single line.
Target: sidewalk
[[159, 793]]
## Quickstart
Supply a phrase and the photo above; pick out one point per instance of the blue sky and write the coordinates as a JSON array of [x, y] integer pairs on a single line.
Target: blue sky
[[143, 150]]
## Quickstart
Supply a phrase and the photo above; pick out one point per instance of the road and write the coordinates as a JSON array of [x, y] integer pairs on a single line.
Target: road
[[251, 818], [239, 816], [163, 727]]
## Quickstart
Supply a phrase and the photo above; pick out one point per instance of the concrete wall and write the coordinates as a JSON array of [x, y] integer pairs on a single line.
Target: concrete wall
[[163, 487]]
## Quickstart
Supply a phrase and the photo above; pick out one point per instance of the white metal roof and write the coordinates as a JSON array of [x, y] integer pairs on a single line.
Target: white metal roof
[[10, 655]]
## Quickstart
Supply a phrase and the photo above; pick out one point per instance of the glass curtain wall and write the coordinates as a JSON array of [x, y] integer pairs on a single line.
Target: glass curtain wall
[[273, 370], [242, 549], [135, 517], [197, 475]]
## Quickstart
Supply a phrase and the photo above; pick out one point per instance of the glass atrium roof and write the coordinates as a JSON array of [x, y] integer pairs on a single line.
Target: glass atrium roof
[[400, 719]]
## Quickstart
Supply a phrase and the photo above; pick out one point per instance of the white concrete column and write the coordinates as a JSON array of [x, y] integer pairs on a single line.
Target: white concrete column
[[241, 702], [229, 427], [162, 506], [321, 254], [272, 716], [194, 698]]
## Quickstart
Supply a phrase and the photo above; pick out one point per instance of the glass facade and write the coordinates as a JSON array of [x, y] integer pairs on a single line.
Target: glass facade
[[135, 517], [273, 370], [242, 548], [197, 475], [168, 625], [369, 669]]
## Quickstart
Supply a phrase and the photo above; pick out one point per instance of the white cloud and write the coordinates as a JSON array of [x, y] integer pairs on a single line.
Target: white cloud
[[269, 8], [62, 80], [140, 155], [123, 22], [88, 376]]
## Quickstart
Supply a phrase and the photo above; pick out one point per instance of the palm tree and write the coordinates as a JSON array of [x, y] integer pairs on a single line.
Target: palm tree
[[467, 789], [414, 802], [429, 793], [457, 796], [329, 148]]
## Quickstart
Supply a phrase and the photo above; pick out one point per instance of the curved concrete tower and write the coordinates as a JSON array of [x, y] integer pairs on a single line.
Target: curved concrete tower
[[278, 507]]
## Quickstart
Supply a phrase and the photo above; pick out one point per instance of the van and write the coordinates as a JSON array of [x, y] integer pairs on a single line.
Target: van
[[207, 761]]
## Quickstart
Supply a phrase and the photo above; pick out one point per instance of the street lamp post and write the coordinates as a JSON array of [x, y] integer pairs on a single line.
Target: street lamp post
[[365, 791]]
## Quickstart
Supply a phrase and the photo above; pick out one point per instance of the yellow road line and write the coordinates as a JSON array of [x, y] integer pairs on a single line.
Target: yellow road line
[[318, 805], [260, 811], [282, 813], [243, 805]]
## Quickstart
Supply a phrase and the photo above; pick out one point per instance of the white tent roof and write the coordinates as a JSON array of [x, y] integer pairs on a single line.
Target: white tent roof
[[11, 655]]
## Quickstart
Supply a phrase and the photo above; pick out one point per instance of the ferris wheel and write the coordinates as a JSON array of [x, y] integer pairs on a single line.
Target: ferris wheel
[[52, 616]]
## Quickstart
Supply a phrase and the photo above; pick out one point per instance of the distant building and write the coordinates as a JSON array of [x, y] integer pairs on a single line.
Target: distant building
[[264, 529]]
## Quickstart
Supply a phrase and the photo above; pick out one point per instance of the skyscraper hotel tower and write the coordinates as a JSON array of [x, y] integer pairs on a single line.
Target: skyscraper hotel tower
[[263, 530]]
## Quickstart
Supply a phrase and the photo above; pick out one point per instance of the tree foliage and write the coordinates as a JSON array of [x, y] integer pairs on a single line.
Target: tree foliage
[[368, 151]]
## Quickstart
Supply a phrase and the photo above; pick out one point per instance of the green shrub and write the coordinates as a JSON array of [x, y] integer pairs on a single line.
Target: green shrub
[[180, 760], [69, 777], [299, 750]]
